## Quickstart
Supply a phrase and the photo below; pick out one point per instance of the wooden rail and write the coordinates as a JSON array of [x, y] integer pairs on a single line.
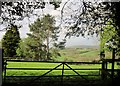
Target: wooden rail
[[50, 68], [55, 62]]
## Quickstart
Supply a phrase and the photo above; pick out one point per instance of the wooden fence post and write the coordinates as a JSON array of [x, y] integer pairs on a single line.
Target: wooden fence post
[[103, 75], [1, 66], [113, 62], [62, 74], [104, 65], [5, 65]]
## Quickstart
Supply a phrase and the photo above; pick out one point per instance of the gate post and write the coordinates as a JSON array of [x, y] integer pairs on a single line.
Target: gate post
[[1, 66], [63, 63], [113, 62], [104, 64], [103, 75]]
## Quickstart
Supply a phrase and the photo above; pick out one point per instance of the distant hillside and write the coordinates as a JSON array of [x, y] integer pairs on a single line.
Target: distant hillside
[[83, 46], [79, 53]]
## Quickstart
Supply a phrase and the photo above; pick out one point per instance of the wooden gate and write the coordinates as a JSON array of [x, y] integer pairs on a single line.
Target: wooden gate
[[62, 66]]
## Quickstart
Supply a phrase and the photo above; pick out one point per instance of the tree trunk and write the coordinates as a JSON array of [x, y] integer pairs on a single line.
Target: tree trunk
[[48, 57]]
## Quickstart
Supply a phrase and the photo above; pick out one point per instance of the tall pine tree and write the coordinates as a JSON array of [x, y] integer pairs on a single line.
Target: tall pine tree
[[10, 41], [44, 33]]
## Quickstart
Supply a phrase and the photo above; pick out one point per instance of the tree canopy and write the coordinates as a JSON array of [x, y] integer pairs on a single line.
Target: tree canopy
[[42, 41]]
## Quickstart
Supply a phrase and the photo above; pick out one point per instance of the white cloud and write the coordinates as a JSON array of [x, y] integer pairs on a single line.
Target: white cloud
[[73, 41]]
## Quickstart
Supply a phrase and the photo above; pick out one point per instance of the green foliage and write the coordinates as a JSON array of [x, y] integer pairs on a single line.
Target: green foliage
[[56, 3], [55, 52], [43, 30], [41, 43], [107, 36], [10, 41], [22, 50]]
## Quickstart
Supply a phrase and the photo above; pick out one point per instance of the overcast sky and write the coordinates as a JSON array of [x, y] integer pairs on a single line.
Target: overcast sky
[[73, 41]]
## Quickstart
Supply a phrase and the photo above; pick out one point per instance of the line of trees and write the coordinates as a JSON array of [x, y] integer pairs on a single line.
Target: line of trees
[[91, 17], [41, 44]]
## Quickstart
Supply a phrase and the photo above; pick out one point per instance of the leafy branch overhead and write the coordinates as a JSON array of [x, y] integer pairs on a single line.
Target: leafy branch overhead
[[92, 17], [89, 17], [17, 11]]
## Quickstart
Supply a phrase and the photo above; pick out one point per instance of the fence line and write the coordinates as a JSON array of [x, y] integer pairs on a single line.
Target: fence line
[[63, 64], [51, 69]]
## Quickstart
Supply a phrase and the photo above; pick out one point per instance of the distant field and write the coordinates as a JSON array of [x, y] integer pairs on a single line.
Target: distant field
[[81, 54]]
